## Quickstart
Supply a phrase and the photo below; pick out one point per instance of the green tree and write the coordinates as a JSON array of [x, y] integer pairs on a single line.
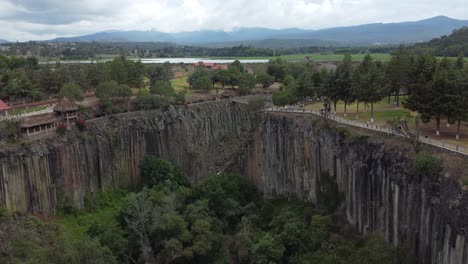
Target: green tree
[[267, 249], [4, 61], [71, 91], [317, 232], [287, 93], [344, 81], [369, 84], [331, 89], [95, 74], [156, 172], [278, 69], [202, 83], [106, 92], [374, 87], [162, 88], [375, 250], [19, 87], [48, 80], [397, 71], [118, 70], [306, 85], [246, 83], [222, 77], [421, 95], [162, 72], [145, 101], [445, 86], [265, 80], [237, 64], [460, 100], [136, 72], [280, 98], [359, 80], [234, 76]]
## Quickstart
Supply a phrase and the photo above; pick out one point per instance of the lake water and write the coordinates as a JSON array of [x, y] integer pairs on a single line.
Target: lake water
[[163, 60]]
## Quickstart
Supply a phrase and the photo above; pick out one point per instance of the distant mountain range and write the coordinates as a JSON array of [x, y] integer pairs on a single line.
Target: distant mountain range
[[272, 43], [4, 41], [377, 33]]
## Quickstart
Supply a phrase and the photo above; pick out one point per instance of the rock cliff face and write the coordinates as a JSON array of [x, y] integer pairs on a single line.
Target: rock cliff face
[[290, 157], [201, 140]]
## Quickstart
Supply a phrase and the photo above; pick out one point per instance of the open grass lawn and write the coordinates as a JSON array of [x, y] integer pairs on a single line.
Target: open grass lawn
[[29, 109], [180, 84], [384, 113]]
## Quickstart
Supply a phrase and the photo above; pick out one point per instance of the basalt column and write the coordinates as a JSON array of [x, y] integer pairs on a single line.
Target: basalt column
[[289, 156]]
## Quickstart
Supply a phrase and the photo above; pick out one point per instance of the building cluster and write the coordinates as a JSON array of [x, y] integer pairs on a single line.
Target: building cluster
[[211, 66], [64, 112]]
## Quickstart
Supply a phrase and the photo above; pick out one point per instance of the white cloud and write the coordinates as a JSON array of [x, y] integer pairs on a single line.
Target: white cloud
[[44, 19]]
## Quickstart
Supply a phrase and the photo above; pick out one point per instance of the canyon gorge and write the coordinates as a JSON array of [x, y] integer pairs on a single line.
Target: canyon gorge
[[283, 155]]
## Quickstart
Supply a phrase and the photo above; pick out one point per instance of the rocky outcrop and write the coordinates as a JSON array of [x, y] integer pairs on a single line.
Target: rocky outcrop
[[36, 178], [290, 155]]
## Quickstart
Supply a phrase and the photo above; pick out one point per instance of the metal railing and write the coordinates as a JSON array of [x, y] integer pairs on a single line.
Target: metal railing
[[429, 141]]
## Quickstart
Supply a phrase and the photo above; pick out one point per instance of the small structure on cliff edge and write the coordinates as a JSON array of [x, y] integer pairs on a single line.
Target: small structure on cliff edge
[[4, 108], [211, 66], [67, 111], [38, 124]]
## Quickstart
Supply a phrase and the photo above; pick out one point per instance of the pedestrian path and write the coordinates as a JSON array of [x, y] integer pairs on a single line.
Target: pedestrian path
[[433, 142]]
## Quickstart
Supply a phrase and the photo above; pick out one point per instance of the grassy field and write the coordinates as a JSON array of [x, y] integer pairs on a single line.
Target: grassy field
[[385, 113], [180, 84], [26, 110]]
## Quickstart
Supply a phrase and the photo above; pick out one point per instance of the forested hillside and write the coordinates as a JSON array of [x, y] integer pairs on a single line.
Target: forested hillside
[[451, 45]]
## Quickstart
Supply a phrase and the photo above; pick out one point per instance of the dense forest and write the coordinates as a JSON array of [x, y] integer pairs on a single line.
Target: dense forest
[[450, 46], [94, 50], [24, 79], [222, 219]]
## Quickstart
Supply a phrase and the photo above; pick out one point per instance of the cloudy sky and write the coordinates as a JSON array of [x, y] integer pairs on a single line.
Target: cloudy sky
[[45, 19]]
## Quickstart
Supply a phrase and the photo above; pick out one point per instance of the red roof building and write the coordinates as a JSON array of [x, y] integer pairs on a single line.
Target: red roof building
[[4, 106], [212, 66]]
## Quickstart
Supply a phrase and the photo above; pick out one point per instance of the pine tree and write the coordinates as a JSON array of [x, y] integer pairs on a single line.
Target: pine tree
[[344, 81], [420, 94], [460, 103], [331, 89], [361, 80], [441, 93], [397, 72]]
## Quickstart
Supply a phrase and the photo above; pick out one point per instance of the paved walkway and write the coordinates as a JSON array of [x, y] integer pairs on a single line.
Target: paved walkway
[[433, 142]]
